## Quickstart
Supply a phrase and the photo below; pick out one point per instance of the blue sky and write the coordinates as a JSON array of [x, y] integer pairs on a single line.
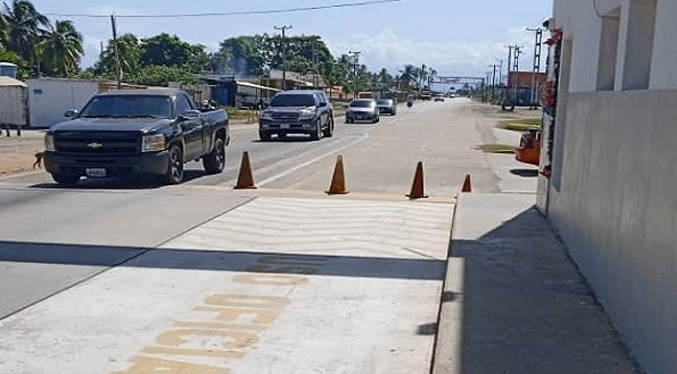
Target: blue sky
[[453, 36]]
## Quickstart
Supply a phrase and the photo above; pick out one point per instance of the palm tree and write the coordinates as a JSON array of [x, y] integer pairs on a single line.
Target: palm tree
[[61, 49], [23, 25], [384, 78], [432, 73], [129, 53], [4, 35], [408, 75]]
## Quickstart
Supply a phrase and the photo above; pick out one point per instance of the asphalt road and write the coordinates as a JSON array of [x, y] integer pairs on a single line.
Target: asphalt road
[[379, 158], [148, 253]]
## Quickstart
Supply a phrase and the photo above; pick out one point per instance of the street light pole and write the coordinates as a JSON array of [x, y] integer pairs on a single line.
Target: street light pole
[[283, 29], [356, 62]]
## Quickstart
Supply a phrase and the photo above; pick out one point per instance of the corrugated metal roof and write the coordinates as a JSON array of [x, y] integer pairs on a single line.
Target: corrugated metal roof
[[252, 85], [11, 82]]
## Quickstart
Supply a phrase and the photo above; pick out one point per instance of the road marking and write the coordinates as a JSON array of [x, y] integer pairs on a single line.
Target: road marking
[[314, 160], [237, 321]]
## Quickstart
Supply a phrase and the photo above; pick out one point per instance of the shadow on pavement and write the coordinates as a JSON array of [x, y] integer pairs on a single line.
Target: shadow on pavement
[[41, 270], [523, 307], [526, 173], [124, 183], [92, 255]]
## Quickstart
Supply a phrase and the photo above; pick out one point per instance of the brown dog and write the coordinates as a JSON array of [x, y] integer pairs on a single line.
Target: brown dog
[[38, 160]]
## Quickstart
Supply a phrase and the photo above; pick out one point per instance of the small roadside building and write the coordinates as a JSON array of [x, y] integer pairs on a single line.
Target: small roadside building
[[12, 102], [239, 93]]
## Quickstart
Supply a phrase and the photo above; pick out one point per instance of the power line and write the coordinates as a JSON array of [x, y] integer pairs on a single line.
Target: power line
[[229, 14]]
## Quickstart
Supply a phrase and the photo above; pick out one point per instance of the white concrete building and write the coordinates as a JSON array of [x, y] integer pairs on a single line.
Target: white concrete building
[[613, 191]]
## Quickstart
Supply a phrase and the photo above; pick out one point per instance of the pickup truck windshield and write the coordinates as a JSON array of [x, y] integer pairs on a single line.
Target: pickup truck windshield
[[128, 106], [293, 101], [384, 102]]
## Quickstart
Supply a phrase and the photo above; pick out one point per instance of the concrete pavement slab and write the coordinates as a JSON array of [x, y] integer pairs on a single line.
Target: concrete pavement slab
[[51, 239], [293, 299], [514, 302]]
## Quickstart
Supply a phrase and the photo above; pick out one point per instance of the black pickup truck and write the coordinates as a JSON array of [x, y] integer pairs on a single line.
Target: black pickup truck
[[132, 132]]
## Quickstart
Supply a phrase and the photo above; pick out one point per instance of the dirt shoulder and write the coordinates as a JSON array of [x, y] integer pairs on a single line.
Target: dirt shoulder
[[17, 154]]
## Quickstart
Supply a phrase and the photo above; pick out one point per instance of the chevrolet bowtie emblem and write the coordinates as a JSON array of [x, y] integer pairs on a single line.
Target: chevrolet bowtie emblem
[[94, 145]]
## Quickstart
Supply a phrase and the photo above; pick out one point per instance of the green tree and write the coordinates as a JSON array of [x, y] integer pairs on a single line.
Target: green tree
[[240, 56], [24, 26], [24, 68], [165, 50], [4, 32], [60, 49], [129, 51], [385, 80], [158, 75], [408, 75]]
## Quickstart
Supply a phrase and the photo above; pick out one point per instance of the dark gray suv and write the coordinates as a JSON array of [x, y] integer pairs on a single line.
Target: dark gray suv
[[297, 112]]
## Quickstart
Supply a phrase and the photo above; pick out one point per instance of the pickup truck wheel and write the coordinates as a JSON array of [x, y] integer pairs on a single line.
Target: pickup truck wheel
[[215, 161], [264, 136], [329, 131], [175, 167], [317, 131], [66, 179]]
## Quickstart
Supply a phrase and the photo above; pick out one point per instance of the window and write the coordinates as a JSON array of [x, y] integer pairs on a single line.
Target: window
[[639, 44], [128, 106], [182, 104], [362, 103], [608, 51], [293, 100]]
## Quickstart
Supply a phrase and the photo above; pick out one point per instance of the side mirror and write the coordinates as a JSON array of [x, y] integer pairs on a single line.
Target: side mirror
[[323, 104], [190, 114], [71, 113]]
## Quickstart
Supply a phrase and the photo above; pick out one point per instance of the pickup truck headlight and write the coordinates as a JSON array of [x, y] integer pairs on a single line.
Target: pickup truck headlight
[[49, 143], [153, 143], [308, 113], [267, 115]]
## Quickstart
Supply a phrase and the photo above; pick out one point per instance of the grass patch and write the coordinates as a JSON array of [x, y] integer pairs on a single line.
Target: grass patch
[[238, 114], [496, 148], [519, 124]]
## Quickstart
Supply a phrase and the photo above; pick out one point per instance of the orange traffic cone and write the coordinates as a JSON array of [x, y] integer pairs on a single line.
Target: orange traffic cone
[[417, 190], [467, 184], [338, 181], [245, 180]]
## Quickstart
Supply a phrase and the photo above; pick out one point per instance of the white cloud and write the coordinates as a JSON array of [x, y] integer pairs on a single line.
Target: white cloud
[[392, 51]]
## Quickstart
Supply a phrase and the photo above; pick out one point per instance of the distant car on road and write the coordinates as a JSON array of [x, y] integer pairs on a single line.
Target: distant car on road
[[297, 112], [387, 106], [439, 97], [363, 110]]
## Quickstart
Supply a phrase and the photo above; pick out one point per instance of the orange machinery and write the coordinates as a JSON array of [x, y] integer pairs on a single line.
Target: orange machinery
[[529, 150]]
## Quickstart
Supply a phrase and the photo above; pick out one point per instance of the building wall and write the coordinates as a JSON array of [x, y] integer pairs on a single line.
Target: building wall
[[13, 105], [615, 205], [48, 99], [582, 25]]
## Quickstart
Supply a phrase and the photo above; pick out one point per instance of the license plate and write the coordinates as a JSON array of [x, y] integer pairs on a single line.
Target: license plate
[[286, 126], [95, 172]]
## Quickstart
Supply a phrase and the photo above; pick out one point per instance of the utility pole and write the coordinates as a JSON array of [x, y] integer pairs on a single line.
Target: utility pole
[[507, 83], [423, 72], [283, 29], [538, 48], [356, 62], [118, 67], [493, 81], [500, 71], [316, 80], [518, 52]]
